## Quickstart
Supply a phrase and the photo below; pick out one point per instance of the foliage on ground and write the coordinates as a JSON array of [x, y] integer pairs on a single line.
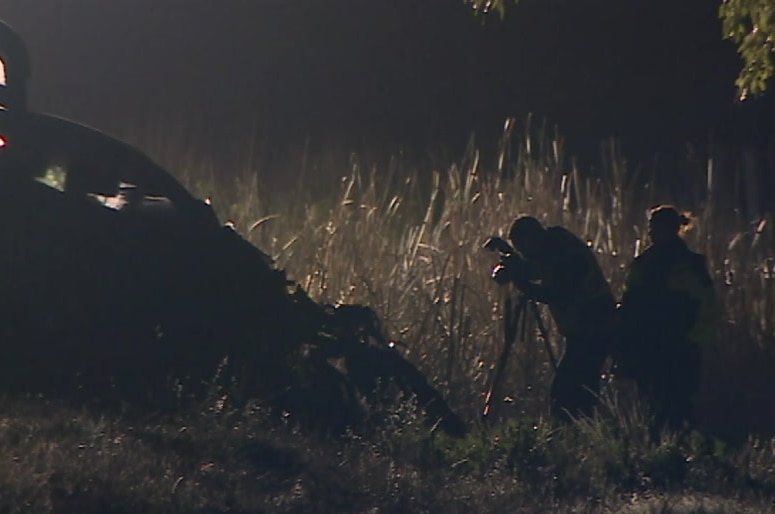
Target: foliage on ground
[[220, 459]]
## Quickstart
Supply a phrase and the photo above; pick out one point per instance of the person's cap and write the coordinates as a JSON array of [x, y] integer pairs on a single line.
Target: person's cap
[[524, 226], [667, 216]]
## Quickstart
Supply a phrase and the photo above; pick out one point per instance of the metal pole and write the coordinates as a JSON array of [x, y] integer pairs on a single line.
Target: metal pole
[[511, 320], [544, 335]]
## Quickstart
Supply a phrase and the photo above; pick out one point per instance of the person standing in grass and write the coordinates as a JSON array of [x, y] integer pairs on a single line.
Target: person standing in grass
[[668, 312], [563, 273]]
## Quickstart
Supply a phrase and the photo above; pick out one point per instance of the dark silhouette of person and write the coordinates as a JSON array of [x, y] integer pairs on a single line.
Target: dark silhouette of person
[[564, 274], [668, 311]]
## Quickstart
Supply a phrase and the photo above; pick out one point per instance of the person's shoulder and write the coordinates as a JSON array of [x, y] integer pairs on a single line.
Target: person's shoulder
[[567, 248], [561, 235], [699, 262], [558, 230], [646, 258], [695, 258]]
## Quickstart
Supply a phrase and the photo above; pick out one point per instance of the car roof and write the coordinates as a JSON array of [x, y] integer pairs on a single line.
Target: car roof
[[98, 162]]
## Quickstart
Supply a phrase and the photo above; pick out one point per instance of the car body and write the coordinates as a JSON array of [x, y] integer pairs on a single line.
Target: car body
[[116, 282]]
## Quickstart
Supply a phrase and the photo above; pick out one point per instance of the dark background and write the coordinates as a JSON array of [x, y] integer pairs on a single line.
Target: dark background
[[416, 74]]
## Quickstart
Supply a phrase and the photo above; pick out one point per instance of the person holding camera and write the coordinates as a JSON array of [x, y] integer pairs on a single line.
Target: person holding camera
[[668, 313], [553, 266]]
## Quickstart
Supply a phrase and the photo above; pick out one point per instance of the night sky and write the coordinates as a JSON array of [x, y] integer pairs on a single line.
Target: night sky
[[412, 73]]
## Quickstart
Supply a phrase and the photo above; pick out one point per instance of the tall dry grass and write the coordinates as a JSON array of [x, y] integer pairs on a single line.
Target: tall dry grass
[[407, 242]]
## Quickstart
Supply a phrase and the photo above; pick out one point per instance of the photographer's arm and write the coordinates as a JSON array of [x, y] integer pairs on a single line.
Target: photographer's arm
[[534, 291], [561, 279]]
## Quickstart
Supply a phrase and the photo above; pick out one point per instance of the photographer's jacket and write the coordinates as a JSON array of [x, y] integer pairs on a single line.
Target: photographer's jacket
[[569, 280]]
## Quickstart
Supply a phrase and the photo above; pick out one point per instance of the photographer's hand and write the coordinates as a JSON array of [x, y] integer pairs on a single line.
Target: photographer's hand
[[500, 274]]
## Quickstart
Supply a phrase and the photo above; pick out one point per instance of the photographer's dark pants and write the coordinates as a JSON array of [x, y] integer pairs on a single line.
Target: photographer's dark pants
[[576, 385]]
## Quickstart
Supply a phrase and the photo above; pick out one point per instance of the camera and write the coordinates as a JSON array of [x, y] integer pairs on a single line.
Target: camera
[[512, 267], [498, 244]]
